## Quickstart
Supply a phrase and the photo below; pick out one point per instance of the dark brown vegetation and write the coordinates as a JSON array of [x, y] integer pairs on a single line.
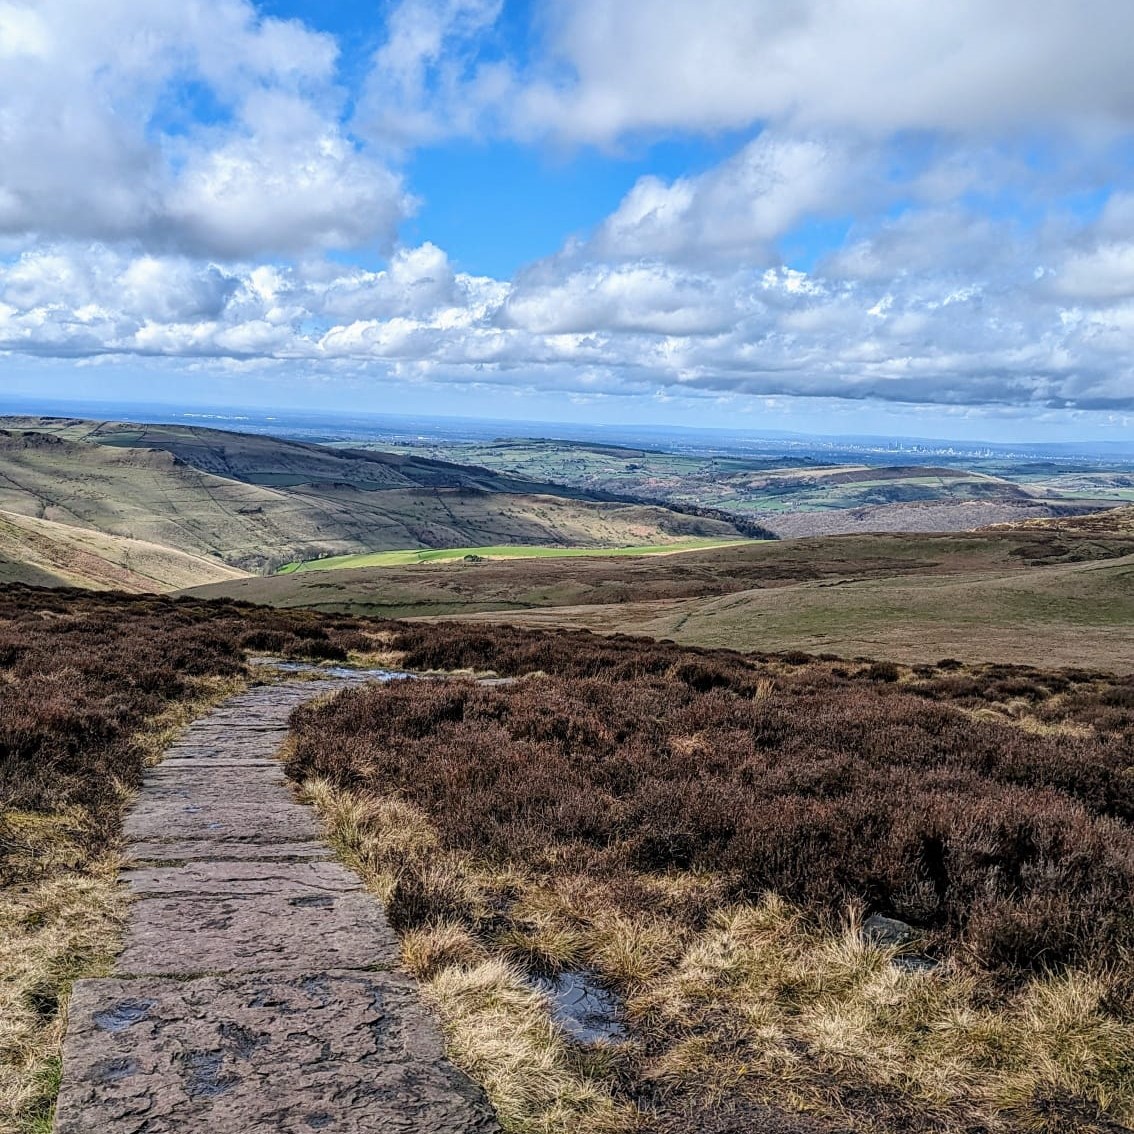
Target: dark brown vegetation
[[80, 674], [637, 802], [454, 587], [825, 786]]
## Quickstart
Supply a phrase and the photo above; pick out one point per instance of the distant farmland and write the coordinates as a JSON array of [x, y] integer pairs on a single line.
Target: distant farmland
[[410, 556]]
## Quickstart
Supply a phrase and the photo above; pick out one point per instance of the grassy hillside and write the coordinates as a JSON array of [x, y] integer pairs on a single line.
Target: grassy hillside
[[1114, 521], [46, 553], [1072, 615], [155, 495]]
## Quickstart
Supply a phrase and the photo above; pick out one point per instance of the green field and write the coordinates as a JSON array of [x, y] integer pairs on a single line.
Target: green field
[[503, 551]]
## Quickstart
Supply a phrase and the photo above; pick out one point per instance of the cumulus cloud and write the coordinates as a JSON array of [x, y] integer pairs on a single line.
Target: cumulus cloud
[[172, 177], [426, 81], [1041, 324], [736, 210], [877, 65], [197, 125]]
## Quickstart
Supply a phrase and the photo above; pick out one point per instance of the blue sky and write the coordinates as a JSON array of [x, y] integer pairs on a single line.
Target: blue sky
[[826, 215]]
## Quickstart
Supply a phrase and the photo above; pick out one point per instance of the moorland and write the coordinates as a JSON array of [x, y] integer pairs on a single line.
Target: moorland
[[711, 837], [838, 830]]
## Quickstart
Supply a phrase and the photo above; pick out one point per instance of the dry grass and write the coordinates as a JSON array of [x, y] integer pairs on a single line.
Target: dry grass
[[497, 1026], [762, 1000], [51, 934]]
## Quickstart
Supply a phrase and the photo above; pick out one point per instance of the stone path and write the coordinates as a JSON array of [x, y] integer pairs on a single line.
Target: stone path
[[254, 993]]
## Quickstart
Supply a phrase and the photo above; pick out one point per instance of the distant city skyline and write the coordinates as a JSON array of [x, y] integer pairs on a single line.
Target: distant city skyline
[[865, 216]]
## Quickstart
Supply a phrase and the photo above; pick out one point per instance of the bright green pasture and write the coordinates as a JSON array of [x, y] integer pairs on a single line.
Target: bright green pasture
[[503, 551]]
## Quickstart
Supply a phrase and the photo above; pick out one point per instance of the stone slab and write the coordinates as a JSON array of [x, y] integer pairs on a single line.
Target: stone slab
[[340, 1053], [172, 763], [273, 819], [236, 932], [194, 850], [283, 879]]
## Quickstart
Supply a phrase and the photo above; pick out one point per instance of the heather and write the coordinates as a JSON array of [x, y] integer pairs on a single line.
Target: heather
[[708, 832]]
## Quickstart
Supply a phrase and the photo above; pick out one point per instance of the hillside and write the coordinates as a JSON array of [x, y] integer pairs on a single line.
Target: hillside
[[790, 496], [161, 497], [49, 554], [1112, 521], [281, 463], [1011, 595], [1078, 614]]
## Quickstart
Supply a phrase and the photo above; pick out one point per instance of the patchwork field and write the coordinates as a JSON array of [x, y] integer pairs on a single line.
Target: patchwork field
[[405, 558], [801, 496]]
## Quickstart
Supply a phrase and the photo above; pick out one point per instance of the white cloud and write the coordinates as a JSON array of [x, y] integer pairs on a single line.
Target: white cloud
[[931, 334], [878, 65], [736, 210], [98, 140], [424, 84]]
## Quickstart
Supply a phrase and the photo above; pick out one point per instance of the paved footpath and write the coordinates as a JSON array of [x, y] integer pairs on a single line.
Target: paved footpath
[[254, 993]]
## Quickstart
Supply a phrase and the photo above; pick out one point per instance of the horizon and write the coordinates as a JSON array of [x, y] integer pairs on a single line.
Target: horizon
[[286, 422]]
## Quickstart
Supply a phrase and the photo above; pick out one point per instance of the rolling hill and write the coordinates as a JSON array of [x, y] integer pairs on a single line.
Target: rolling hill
[[256, 503], [790, 496], [1015, 595]]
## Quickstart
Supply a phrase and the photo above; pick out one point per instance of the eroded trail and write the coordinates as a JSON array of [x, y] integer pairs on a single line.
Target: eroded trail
[[254, 992]]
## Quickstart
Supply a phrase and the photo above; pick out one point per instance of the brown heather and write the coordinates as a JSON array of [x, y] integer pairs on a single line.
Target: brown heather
[[705, 831], [702, 829], [1012, 847]]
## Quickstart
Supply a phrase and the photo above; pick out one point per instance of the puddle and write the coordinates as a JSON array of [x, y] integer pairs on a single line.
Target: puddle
[[334, 670], [582, 1007], [122, 1015]]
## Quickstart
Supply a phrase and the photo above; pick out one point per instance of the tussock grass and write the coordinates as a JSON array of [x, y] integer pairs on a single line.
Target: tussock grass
[[498, 1028], [51, 933], [500, 1031], [762, 997]]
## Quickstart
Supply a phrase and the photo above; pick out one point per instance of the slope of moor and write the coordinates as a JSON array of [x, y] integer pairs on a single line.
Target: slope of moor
[[155, 495]]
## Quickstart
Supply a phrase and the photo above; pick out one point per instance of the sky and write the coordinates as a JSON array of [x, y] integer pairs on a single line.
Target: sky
[[830, 216]]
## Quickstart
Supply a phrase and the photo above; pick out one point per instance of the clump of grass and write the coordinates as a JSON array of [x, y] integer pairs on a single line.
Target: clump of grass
[[51, 933], [498, 1027], [764, 998]]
